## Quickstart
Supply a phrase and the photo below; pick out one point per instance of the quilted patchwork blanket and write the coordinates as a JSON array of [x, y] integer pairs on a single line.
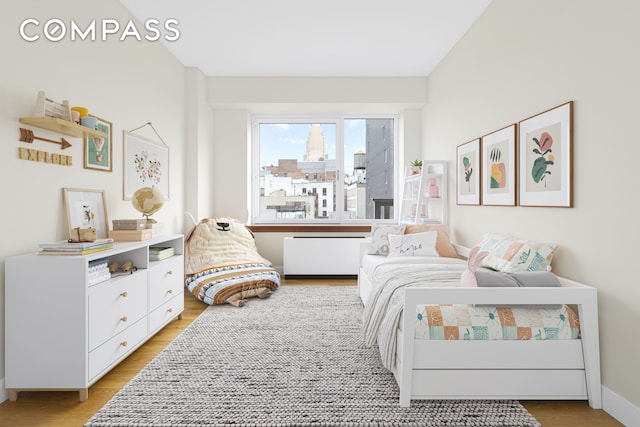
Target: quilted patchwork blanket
[[384, 311], [468, 322], [229, 283]]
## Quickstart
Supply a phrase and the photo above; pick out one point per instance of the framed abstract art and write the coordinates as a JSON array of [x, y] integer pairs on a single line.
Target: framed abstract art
[[545, 158], [499, 167], [468, 169]]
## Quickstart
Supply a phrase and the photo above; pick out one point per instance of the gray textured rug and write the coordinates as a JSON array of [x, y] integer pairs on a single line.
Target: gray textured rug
[[295, 359]]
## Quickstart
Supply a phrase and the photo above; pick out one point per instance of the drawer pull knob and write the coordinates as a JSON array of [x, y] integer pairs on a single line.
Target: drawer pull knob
[[124, 344], [124, 318], [170, 291], [169, 273], [124, 294], [170, 310]]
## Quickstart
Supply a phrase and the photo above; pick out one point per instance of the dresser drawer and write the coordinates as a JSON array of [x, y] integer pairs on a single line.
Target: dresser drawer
[[116, 348], [116, 304], [165, 280], [167, 311]]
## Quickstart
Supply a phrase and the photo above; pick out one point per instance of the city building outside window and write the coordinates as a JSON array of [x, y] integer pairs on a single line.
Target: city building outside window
[[324, 170]]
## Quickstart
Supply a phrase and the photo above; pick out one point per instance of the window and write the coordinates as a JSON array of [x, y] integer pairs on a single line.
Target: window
[[324, 170]]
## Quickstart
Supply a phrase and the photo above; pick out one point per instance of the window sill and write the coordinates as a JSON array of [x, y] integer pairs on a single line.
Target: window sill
[[277, 228]]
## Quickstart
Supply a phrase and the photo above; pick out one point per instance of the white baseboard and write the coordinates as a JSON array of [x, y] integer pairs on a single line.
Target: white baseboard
[[620, 408], [4, 393]]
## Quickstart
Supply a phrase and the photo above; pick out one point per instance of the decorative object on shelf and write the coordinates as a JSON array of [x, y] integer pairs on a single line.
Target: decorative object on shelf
[[129, 224], [131, 235], [82, 112], [416, 167], [82, 235], [47, 107], [89, 122], [146, 164], [499, 167], [545, 164], [117, 269], [86, 209], [432, 190], [27, 135], [147, 201], [468, 173], [98, 150]]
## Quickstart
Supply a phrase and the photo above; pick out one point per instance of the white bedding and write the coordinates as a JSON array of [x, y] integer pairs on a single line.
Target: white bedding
[[384, 307], [371, 262]]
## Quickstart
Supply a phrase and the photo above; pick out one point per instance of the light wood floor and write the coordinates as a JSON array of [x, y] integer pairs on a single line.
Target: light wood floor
[[62, 409]]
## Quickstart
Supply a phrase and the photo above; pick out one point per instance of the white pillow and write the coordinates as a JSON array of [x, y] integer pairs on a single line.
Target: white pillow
[[417, 244], [379, 240]]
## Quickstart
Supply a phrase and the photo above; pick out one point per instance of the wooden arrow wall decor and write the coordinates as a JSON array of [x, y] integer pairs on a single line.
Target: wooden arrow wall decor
[[27, 135]]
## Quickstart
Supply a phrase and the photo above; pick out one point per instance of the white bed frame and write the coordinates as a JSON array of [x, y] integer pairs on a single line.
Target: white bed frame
[[527, 370]]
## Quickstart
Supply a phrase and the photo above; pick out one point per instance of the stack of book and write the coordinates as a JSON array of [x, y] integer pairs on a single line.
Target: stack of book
[[158, 253], [98, 271], [80, 248]]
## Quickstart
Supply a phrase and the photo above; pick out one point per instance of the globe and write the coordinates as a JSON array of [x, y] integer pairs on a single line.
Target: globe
[[147, 201]]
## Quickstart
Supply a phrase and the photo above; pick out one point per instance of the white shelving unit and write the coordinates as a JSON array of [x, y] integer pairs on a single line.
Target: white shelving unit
[[419, 205], [63, 333]]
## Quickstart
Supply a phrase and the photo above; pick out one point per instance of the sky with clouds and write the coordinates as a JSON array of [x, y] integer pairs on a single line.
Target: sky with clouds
[[288, 141]]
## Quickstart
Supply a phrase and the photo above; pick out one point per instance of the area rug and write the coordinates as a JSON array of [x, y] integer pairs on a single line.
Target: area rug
[[295, 359]]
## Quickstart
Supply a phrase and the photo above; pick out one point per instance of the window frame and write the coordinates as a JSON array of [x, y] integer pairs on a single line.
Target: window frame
[[338, 121]]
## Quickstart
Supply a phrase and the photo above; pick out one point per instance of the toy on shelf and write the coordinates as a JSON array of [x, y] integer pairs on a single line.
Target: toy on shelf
[[47, 107]]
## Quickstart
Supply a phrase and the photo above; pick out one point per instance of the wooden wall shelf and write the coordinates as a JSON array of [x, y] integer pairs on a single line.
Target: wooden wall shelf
[[62, 126]]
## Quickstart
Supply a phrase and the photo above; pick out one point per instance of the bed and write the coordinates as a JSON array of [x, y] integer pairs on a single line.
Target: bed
[[554, 369], [223, 266]]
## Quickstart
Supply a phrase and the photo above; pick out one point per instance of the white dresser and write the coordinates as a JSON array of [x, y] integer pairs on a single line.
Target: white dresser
[[63, 333]]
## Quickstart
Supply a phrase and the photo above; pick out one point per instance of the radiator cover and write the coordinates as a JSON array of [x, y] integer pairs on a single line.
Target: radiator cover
[[321, 256]]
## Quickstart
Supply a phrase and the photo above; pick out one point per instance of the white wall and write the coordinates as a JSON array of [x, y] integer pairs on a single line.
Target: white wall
[[198, 147], [128, 83], [519, 59]]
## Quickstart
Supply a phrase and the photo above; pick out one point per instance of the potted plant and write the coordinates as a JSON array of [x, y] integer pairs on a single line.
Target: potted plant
[[416, 167]]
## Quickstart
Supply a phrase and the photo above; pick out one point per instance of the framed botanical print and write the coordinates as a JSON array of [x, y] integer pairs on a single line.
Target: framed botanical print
[[545, 163], [468, 168], [97, 150], [499, 167]]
